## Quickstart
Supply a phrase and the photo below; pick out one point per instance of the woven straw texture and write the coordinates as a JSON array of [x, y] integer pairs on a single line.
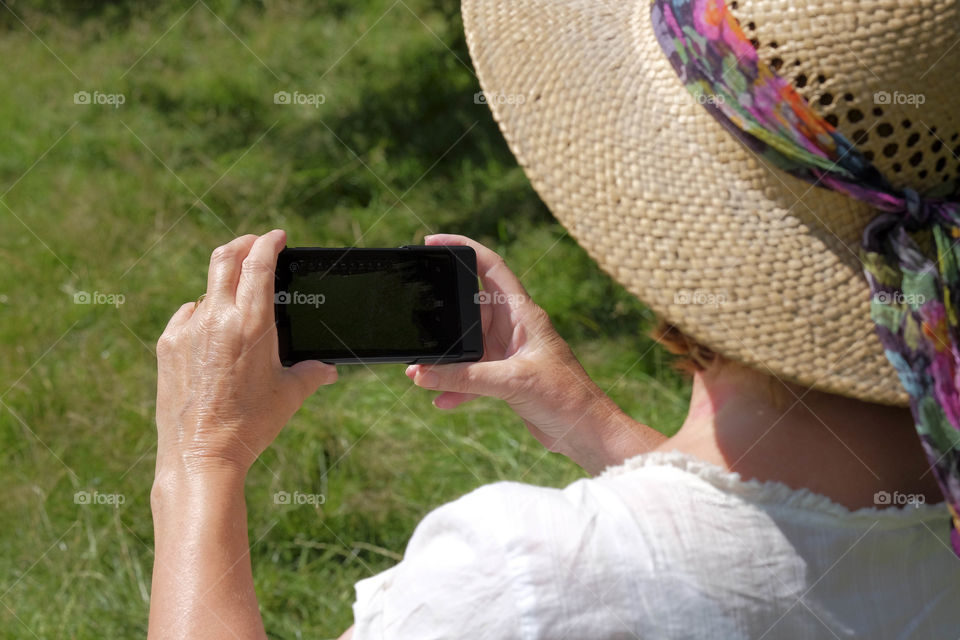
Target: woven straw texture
[[755, 264]]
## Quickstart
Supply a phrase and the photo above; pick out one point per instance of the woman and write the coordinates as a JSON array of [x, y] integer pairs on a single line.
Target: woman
[[797, 500]]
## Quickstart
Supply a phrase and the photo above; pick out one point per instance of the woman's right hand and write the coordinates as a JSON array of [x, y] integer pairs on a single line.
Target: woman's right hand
[[527, 364]]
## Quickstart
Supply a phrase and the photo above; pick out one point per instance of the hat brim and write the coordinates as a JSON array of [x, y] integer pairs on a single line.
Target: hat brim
[[752, 262]]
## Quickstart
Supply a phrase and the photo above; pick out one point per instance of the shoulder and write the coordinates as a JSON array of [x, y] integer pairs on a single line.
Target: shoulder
[[505, 512], [506, 515], [511, 560], [662, 546]]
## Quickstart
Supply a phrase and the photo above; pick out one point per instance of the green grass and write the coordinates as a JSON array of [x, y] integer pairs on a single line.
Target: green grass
[[132, 200]]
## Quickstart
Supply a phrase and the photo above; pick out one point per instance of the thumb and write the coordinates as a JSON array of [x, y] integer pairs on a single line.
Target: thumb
[[310, 375], [480, 378]]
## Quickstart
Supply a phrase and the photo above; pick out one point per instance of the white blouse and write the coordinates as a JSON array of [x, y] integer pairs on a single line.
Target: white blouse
[[666, 546]]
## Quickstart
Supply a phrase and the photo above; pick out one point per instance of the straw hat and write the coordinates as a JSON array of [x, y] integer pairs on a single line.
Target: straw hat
[[750, 261]]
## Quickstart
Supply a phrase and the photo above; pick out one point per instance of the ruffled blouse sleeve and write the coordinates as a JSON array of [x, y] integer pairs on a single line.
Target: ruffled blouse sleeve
[[507, 560]]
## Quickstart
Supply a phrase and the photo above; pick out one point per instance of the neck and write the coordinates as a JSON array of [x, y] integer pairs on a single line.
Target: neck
[[766, 429]]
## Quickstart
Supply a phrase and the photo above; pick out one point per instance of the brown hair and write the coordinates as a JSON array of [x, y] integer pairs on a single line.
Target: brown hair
[[692, 356]]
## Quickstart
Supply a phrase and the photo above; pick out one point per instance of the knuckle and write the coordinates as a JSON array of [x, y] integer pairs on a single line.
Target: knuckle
[[166, 345], [211, 321], [255, 266], [223, 253], [497, 264], [519, 371], [462, 380], [522, 375]]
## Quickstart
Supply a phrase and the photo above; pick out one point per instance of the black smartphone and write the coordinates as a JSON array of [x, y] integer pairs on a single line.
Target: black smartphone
[[412, 304]]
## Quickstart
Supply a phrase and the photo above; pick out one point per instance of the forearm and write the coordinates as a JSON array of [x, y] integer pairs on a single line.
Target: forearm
[[202, 579], [623, 437]]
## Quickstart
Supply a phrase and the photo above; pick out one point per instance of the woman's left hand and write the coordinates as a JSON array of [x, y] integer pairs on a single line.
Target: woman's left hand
[[222, 394]]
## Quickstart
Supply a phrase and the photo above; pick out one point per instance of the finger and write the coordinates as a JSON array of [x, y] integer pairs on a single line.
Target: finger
[[310, 375], [224, 269], [452, 399], [503, 295], [492, 269], [447, 399], [257, 276], [480, 378]]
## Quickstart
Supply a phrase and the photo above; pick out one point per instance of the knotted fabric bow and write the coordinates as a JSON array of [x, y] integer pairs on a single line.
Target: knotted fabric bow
[[909, 250]]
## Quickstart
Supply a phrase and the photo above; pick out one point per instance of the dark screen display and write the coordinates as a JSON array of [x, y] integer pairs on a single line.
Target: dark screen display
[[358, 303]]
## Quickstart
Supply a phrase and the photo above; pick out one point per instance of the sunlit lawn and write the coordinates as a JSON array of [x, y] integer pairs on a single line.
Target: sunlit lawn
[[128, 202]]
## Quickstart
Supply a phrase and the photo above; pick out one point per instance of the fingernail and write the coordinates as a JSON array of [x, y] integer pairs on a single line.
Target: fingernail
[[429, 380], [428, 237]]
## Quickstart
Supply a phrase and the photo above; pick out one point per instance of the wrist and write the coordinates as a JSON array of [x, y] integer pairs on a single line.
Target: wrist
[[606, 425], [617, 431], [176, 483], [622, 437], [587, 426], [606, 436]]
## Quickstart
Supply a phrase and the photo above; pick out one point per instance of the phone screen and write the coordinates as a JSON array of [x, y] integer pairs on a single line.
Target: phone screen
[[349, 305]]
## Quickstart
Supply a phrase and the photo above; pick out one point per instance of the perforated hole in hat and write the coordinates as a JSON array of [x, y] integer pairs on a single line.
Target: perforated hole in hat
[[888, 126]]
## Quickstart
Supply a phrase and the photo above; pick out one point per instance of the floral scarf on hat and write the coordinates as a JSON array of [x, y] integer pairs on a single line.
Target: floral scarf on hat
[[910, 250]]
